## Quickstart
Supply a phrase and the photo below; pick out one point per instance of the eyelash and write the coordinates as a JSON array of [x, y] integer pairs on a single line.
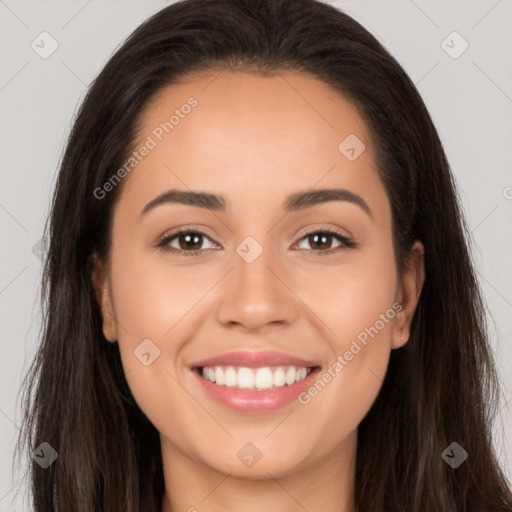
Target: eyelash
[[347, 243]]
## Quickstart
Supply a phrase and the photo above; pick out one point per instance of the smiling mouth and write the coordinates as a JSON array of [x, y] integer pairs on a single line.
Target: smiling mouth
[[254, 379]]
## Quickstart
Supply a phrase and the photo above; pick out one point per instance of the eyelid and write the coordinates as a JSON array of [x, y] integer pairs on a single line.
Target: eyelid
[[318, 227]]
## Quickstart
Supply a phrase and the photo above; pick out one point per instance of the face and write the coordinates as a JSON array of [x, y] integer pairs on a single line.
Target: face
[[254, 277]]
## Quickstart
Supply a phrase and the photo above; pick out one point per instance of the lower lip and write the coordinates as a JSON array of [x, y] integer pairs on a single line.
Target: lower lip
[[256, 401]]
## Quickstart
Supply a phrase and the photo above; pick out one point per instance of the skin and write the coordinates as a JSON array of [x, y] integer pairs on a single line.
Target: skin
[[255, 140]]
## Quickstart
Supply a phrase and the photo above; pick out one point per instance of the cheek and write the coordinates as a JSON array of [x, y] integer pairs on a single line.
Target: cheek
[[357, 307], [351, 296], [152, 296], [154, 305]]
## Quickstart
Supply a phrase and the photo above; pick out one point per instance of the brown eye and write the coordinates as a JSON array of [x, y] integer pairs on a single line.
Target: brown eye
[[188, 242], [322, 241]]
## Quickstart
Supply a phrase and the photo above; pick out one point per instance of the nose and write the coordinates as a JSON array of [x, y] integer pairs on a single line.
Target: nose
[[256, 294]]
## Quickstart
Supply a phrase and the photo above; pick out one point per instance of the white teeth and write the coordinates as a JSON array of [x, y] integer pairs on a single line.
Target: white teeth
[[290, 376], [231, 377], [279, 379], [264, 378], [219, 376], [255, 378], [245, 378]]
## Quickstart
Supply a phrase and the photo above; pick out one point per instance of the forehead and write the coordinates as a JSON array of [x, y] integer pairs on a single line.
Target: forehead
[[253, 138]]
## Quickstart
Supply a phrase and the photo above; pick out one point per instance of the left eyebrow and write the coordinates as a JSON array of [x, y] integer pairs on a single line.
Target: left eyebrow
[[302, 200], [294, 202]]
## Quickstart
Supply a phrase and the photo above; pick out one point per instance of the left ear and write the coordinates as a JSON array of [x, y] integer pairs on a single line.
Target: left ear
[[408, 294], [103, 295]]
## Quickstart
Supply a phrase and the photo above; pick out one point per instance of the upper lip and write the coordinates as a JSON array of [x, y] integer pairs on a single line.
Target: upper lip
[[250, 359]]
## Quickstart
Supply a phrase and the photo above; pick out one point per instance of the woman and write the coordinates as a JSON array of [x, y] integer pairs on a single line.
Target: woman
[[326, 349]]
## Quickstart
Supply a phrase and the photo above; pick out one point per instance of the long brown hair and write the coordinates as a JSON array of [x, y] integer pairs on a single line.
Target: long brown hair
[[440, 387]]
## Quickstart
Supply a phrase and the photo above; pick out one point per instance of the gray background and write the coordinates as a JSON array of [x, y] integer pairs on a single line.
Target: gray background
[[469, 98]]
